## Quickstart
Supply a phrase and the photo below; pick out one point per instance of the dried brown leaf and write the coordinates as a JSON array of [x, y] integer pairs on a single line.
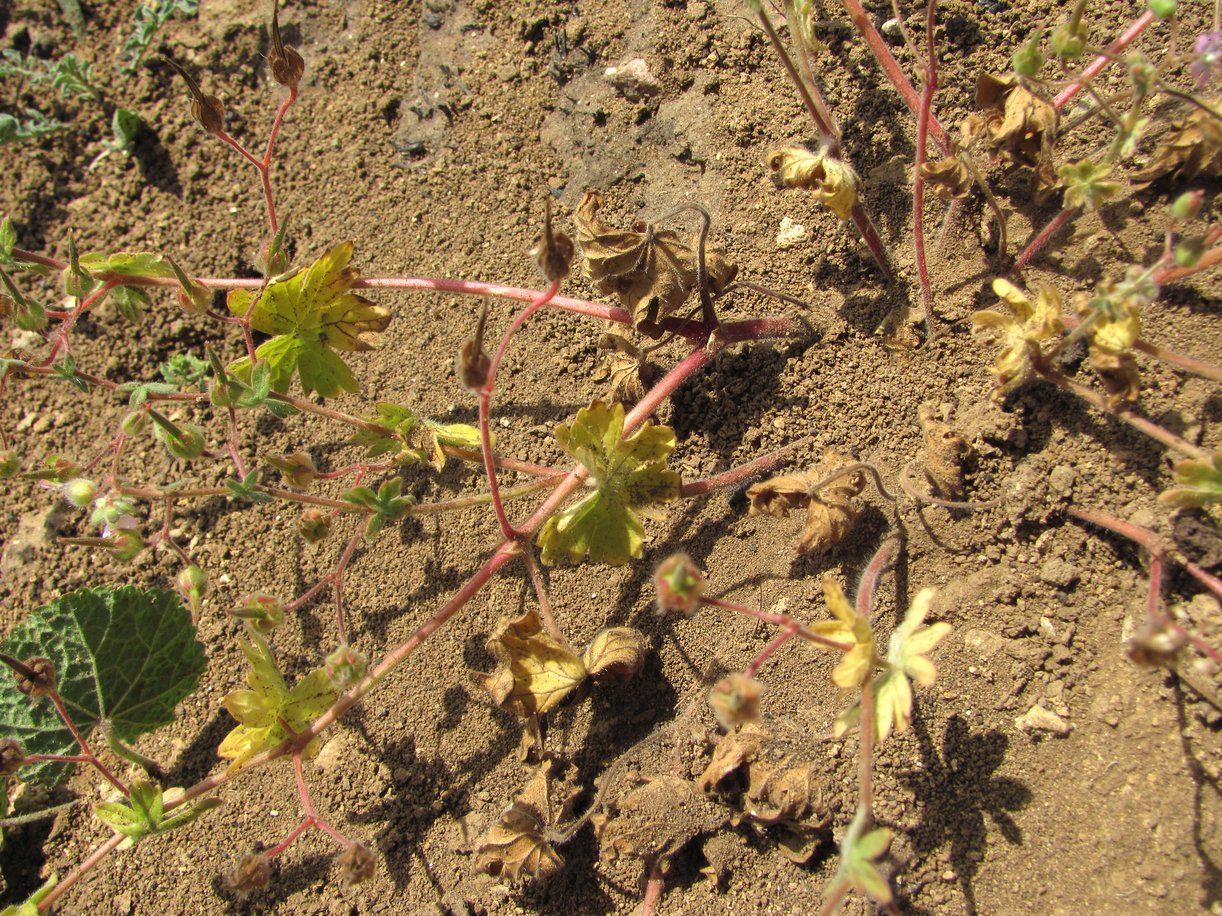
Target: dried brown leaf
[[1119, 374], [948, 178], [831, 180], [654, 821], [616, 653], [945, 452], [1191, 148], [536, 670], [517, 845], [652, 272], [830, 512], [1019, 126]]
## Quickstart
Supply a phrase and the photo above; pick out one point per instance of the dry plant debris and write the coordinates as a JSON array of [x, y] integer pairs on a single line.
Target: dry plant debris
[[517, 846], [832, 181], [1020, 127], [945, 452], [830, 509], [651, 271], [1190, 149]]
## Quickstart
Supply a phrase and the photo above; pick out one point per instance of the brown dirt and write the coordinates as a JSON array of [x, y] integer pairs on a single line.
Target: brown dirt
[[428, 137]]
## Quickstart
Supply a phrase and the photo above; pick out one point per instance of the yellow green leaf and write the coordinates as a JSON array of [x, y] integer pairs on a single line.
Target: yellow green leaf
[[270, 712], [1021, 332], [852, 630], [535, 671], [629, 478], [309, 316]]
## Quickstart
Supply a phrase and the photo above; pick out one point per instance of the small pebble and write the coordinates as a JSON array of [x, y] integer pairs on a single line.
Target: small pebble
[[1038, 720]]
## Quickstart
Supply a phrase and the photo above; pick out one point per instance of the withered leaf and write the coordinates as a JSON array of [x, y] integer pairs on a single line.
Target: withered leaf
[[764, 776], [1019, 126], [654, 821], [945, 452], [831, 180], [517, 845], [948, 178], [1191, 147], [651, 271], [616, 653], [535, 672], [830, 511]]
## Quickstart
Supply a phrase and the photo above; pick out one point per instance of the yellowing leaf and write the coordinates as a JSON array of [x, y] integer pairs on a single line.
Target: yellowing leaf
[[629, 478], [269, 712], [1020, 332], [536, 671], [311, 315], [128, 264], [832, 181], [1199, 483]]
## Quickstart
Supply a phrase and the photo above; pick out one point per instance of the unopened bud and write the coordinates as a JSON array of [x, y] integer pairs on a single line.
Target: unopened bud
[[680, 584], [345, 666], [253, 872], [473, 363], [124, 544], [38, 678], [1188, 205], [357, 863], [262, 613], [298, 469], [33, 317], [80, 492], [736, 699], [133, 424], [191, 582], [10, 463], [315, 524], [195, 299], [12, 756], [271, 259]]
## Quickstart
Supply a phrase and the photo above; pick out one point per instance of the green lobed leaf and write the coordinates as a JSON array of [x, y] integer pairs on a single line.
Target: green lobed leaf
[[311, 315], [630, 479], [128, 264], [1199, 483], [125, 655]]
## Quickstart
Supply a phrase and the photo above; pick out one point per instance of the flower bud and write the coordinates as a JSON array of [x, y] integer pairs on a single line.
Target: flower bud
[[12, 757], [271, 259], [195, 299], [185, 442], [125, 544], [298, 469], [39, 678], [191, 581], [345, 666], [253, 872], [315, 524], [553, 251], [10, 463], [134, 423], [1163, 9], [80, 492], [736, 699], [31, 318], [262, 613], [679, 583], [1188, 205], [357, 863]]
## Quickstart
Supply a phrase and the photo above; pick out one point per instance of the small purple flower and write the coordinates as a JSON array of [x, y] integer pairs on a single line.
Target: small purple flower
[[1208, 49]]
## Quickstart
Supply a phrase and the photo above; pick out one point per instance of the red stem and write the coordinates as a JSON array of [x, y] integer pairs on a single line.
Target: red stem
[[1097, 65], [1033, 247], [918, 183]]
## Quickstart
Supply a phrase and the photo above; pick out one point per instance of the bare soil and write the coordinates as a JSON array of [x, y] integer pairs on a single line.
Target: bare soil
[[428, 136]]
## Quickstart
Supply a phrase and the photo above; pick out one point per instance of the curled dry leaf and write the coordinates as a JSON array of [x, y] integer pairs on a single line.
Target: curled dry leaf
[[948, 178], [1191, 148], [1019, 127], [763, 775], [517, 845], [625, 367], [536, 671], [830, 511], [945, 452], [616, 653], [831, 180], [654, 821], [651, 271]]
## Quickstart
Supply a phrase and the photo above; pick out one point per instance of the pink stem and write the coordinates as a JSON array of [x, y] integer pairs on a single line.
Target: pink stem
[[1097, 65], [1033, 247], [79, 872], [918, 183]]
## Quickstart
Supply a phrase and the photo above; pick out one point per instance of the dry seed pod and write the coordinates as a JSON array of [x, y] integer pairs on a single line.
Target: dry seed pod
[[37, 679], [1020, 127], [945, 452], [735, 699], [253, 872], [12, 756], [208, 110], [552, 250], [832, 181], [357, 863], [287, 65], [473, 363]]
